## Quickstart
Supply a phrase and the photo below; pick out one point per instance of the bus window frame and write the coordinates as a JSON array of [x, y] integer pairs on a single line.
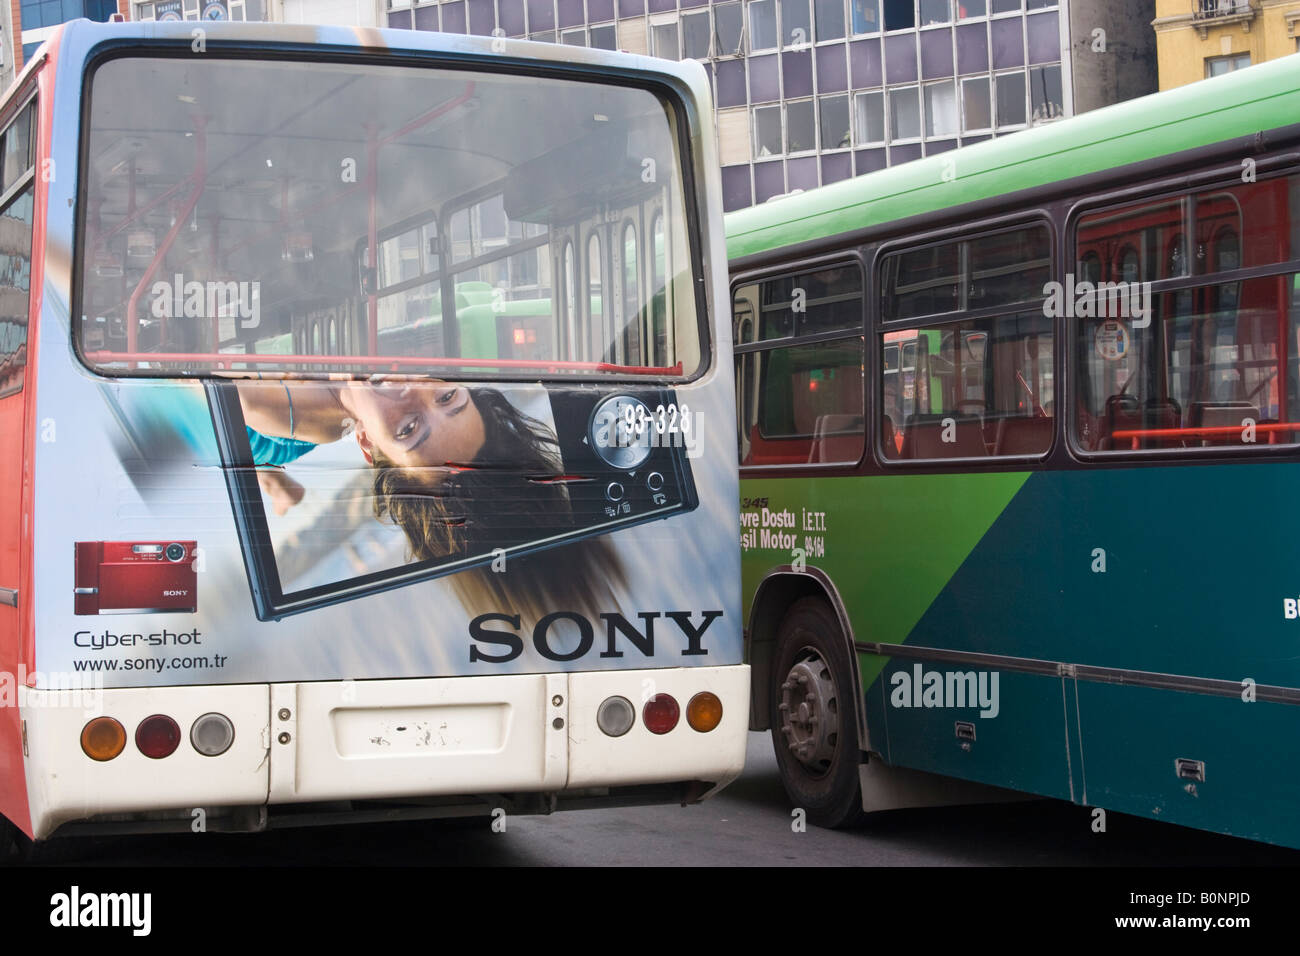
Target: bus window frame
[[1025, 218], [802, 266], [1176, 191], [19, 104], [667, 89]]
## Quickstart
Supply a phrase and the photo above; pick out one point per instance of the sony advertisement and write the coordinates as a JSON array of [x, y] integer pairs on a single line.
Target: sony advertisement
[[350, 372]]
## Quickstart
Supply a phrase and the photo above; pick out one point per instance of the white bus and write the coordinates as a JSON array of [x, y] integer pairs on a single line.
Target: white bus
[[366, 400]]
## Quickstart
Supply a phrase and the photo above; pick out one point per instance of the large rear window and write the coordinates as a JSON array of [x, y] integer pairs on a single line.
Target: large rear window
[[321, 218]]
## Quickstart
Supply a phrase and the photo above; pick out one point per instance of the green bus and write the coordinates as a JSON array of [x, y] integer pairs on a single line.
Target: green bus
[[1016, 428]]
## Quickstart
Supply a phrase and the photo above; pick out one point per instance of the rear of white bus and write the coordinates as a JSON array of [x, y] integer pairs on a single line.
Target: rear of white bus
[[393, 473]]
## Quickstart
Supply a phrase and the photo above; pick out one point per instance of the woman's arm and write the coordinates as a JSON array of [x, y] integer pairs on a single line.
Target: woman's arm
[[307, 411]]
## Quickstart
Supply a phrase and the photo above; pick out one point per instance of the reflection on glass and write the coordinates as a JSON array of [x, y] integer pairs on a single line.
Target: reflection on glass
[[421, 209]]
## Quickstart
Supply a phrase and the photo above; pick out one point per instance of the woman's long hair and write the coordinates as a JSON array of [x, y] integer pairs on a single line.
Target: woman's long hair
[[501, 500]]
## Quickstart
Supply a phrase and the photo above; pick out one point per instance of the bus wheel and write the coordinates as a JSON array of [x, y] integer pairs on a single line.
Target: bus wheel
[[814, 723]]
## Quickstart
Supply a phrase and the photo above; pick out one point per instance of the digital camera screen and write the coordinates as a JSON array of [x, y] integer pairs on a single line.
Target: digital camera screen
[[348, 487]]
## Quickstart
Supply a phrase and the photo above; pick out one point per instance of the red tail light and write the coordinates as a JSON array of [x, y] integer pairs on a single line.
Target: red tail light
[[660, 714], [158, 736]]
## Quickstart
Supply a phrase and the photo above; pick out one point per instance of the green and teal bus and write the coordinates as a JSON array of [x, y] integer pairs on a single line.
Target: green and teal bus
[[1019, 429]]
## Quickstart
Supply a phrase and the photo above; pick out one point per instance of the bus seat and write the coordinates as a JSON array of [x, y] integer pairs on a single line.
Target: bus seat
[[1219, 415], [1126, 413], [837, 438], [1024, 436], [888, 437], [924, 437]]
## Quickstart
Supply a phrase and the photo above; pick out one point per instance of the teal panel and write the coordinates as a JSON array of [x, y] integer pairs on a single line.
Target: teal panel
[[1133, 735]]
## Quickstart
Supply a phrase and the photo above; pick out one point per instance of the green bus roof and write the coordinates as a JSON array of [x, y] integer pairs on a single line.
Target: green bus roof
[[1243, 103]]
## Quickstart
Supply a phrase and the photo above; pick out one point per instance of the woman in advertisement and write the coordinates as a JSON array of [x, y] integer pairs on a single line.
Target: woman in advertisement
[[463, 472]]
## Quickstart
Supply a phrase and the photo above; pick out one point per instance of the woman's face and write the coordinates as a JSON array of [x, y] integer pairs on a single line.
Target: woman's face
[[415, 424]]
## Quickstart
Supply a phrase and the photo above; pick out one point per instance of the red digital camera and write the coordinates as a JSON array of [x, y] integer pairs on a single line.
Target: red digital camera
[[140, 576]]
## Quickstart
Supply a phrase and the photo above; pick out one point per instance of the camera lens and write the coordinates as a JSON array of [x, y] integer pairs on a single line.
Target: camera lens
[[175, 552]]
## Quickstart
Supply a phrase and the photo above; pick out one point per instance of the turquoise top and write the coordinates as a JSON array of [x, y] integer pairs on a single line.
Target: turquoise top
[[270, 450]]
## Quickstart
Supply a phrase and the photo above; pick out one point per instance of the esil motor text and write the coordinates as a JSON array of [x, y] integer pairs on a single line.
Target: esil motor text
[[164, 638]]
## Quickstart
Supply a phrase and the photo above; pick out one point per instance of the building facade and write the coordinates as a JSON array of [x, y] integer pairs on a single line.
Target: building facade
[[1197, 39], [809, 92], [33, 20]]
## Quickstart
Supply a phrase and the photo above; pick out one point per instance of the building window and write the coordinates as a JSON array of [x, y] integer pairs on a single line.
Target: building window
[[1006, 6], [976, 113], [899, 15], [696, 34], [800, 127], [1046, 92], [1219, 65], [940, 110], [762, 25], [767, 131], [934, 12], [866, 16], [1010, 93], [796, 23], [576, 37], [830, 19], [904, 114], [665, 41], [969, 9], [835, 128], [604, 37], [728, 26], [870, 109]]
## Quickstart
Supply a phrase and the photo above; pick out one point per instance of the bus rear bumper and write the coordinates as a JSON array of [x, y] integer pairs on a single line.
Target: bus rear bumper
[[313, 743]]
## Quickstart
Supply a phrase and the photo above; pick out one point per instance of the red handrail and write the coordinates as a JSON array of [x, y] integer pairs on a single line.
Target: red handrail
[[225, 360], [1208, 431]]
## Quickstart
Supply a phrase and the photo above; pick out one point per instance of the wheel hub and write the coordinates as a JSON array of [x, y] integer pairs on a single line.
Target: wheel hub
[[809, 712]]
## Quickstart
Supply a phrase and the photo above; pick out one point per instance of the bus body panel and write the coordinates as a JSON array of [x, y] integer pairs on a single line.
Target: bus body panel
[[137, 469], [669, 568], [378, 740], [1088, 622], [994, 578]]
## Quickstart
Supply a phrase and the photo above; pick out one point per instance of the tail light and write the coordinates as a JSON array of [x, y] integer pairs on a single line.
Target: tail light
[[704, 712], [158, 736], [103, 738], [212, 734], [660, 714], [615, 716]]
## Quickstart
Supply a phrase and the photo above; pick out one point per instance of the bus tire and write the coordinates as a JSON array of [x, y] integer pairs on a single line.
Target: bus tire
[[814, 722]]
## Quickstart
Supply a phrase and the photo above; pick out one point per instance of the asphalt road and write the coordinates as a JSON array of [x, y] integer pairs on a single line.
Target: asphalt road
[[748, 824]]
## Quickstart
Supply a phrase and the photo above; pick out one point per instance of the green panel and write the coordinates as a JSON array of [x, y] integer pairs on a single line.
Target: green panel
[[890, 543]]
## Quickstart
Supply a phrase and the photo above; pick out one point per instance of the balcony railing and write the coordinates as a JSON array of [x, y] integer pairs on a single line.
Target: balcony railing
[[1208, 13], [1221, 9]]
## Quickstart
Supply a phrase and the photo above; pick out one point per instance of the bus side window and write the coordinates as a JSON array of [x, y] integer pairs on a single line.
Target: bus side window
[[16, 252], [631, 297], [969, 387], [801, 370], [661, 295]]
